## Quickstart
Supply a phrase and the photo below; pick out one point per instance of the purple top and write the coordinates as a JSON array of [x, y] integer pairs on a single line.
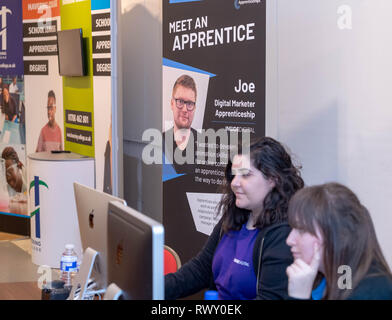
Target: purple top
[[232, 265]]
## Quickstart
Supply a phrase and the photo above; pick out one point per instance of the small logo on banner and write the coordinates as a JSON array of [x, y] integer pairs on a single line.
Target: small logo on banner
[[239, 3], [36, 213], [3, 33]]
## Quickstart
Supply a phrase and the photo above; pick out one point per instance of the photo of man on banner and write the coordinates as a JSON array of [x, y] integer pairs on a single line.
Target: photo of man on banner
[[50, 138], [187, 103]]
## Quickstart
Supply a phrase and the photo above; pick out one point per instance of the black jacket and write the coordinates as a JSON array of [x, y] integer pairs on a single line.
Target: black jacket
[[271, 257], [376, 285]]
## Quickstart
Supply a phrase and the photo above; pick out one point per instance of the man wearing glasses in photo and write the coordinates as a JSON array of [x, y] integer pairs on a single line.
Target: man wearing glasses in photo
[[183, 106], [50, 138]]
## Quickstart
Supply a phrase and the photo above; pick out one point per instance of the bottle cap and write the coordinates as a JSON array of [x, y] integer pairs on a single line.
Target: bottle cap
[[211, 295], [69, 246]]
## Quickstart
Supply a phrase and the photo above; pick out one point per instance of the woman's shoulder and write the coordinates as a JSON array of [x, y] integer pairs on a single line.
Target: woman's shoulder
[[273, 237], [373, 287], [281, 229]]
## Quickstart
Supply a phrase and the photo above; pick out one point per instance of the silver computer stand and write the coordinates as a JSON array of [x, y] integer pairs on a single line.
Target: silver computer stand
[[113, 292], [83, 276]]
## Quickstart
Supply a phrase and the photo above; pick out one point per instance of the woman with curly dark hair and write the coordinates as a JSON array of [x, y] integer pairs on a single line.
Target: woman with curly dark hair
[[246, 256]]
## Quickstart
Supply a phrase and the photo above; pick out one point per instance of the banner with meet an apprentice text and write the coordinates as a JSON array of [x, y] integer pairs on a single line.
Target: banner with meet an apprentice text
[[213, 78], [13, 185]]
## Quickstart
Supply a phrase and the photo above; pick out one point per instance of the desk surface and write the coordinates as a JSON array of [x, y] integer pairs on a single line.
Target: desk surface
[[20, 291]]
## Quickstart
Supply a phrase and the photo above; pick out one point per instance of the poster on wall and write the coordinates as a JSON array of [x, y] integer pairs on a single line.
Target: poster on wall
[[11, 53], [78, 96], [44, 94], [13, 185], [100, 15], [213, 93]]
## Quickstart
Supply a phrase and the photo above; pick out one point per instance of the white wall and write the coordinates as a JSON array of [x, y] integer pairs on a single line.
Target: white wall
[[329, 97], [140, 33]]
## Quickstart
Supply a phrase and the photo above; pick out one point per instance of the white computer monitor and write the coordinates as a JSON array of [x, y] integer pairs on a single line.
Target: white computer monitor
[[92, 207], [135, 253]]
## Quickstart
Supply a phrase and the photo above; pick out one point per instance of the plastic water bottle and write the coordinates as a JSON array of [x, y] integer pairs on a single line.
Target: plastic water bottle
[[211, 295], [68, 264]]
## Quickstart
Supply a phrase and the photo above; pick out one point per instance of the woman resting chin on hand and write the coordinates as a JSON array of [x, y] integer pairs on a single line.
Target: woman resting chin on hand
[[331, 229], [302, 275]]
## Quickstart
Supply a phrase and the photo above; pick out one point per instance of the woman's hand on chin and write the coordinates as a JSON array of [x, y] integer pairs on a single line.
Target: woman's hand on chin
[[302, 275]]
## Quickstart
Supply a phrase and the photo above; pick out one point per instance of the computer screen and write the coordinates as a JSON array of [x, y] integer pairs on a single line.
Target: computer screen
[[71, 53], [135, 253], [92, 207]]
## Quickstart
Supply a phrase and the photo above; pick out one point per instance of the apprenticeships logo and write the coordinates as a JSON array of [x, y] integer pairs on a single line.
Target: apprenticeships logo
[[239, 3], [3, 33], [36, 213]]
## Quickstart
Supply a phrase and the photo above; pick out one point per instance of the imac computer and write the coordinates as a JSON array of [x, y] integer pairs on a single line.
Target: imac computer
[[135, 253], [92, 207]]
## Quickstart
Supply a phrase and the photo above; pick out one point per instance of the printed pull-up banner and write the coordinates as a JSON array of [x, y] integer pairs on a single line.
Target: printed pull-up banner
[[13, 185], [11, 50], [101, 40], [78, 91], [213, 93], [44, 85]]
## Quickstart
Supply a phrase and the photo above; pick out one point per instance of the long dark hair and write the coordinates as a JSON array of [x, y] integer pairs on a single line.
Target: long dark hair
[[346, 228], [271, 158]]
